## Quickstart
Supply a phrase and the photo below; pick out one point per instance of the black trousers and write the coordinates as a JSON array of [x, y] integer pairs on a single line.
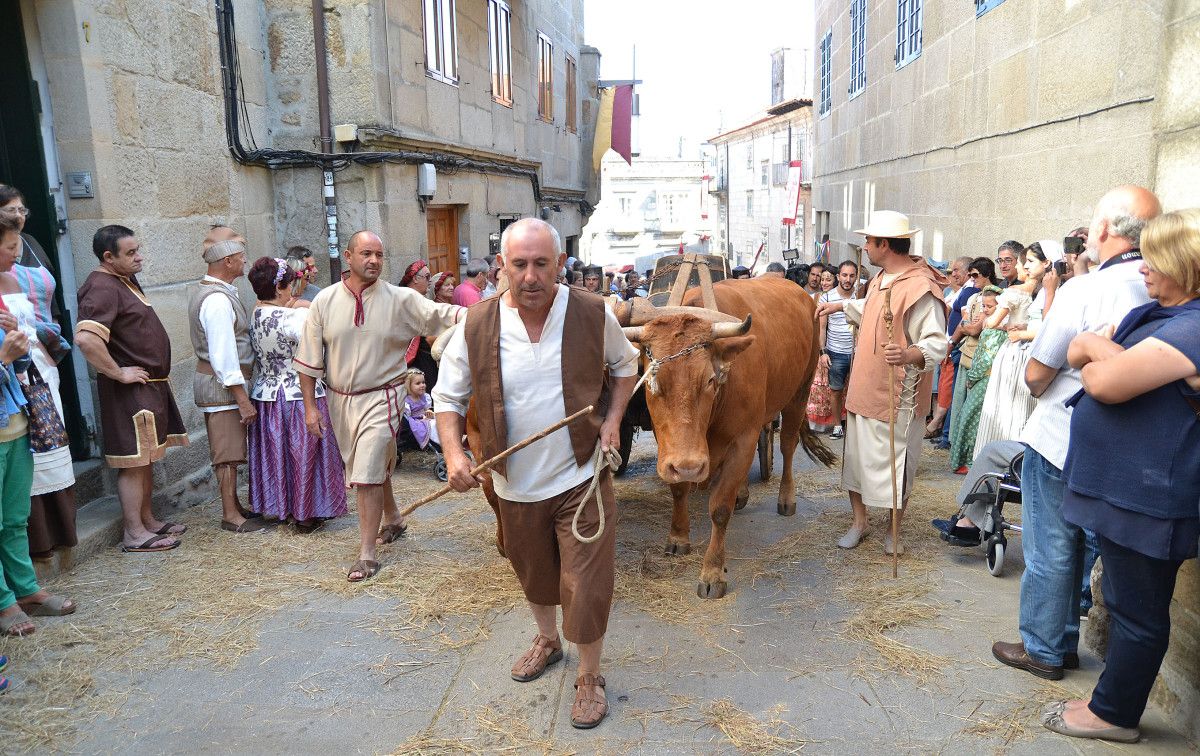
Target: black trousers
[[1137, 594]]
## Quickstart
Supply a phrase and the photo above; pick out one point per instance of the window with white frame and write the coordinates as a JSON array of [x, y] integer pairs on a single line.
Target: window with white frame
[[858, 46], [545, 78], [625, 204], [764, 173], [750, 202], [823, 104], [500, 44], [441, 42], [750, 157], [908, 31]]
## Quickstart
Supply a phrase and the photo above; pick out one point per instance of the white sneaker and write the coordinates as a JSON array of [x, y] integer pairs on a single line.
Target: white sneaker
[[853, 537], [837, 432]]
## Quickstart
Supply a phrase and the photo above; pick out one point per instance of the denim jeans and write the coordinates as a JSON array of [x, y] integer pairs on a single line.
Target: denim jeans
[[1051, 583], [955, 356], [1091, 550]]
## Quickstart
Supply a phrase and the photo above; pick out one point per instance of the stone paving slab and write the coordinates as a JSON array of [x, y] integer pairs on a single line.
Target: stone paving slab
[[777, 664]]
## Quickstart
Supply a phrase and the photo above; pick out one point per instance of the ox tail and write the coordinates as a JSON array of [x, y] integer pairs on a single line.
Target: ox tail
[[814, 447]]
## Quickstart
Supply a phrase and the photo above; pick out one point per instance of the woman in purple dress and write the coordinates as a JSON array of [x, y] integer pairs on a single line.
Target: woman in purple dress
[[293, 476]]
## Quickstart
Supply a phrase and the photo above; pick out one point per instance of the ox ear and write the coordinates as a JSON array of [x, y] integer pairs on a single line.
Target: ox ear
[[731, 347], [725, 350]]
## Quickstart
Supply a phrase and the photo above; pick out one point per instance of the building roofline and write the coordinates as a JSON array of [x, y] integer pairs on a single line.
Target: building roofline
[[775, 111]]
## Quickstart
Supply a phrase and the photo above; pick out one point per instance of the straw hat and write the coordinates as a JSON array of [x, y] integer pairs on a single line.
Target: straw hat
[[888, 224]]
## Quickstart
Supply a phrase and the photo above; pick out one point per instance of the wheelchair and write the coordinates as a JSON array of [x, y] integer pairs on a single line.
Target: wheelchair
[[406, 442], [993, 490]]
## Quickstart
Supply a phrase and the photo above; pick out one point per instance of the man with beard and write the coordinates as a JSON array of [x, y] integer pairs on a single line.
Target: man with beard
[[355, 339]]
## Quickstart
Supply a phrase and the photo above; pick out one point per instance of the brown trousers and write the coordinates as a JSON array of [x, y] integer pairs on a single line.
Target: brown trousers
[[226, 437], [554, 567]]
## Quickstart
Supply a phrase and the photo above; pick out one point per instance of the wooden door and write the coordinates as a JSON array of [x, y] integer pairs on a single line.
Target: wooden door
[[442, 225]]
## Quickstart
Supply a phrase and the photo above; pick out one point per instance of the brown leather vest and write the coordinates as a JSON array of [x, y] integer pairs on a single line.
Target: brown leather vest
[[583, 373]]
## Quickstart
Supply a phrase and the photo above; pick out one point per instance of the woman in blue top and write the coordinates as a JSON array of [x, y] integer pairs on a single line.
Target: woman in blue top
[[1133, 472]]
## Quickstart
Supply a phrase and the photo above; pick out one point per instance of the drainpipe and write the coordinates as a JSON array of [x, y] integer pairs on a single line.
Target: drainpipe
[[330, 193]]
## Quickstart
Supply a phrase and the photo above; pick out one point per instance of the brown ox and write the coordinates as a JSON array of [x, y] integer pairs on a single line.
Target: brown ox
[[716, 389]]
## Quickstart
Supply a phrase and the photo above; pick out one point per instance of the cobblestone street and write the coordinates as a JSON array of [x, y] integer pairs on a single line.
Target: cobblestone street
[[256, 644]]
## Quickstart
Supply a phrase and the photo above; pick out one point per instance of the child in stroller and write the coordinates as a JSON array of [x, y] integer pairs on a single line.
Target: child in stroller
[[993, 480], [417, 427]]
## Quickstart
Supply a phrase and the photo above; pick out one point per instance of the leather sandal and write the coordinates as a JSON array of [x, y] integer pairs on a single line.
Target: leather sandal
[[531, 664], [590, 707]]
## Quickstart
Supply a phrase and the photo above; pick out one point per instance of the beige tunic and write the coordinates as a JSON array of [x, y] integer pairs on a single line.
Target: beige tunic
[[867, 451], [357, 345]]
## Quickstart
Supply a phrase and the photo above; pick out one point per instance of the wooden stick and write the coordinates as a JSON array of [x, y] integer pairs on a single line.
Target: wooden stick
[[888, 318], [489, 464]]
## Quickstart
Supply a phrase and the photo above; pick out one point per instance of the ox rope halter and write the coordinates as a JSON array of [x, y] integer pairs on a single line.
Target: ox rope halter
[[651, 376]]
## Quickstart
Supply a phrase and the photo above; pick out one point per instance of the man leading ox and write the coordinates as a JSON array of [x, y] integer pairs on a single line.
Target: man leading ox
[[511, 356]]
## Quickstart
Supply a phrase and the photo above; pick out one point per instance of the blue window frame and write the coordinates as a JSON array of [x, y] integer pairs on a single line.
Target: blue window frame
[[983, 6], [825, 99], [909, 31]]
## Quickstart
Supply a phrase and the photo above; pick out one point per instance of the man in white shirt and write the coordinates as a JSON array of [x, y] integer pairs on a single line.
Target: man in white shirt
[[1053, 547], [837, 341], [224, 363], [511, 357]]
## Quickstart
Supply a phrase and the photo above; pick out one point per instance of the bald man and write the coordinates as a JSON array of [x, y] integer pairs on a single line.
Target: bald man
[[355, 340], [1053, 577]]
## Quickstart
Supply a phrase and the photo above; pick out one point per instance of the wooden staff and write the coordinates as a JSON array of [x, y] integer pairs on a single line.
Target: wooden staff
[[888, 319], [489, 464]]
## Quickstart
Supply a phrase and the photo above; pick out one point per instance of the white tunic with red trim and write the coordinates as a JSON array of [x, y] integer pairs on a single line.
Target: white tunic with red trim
[[357, 344]]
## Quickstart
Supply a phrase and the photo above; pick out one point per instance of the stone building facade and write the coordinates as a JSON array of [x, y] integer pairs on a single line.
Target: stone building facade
[[751, 185], [131, 98], [648, 209], [1008, 119]]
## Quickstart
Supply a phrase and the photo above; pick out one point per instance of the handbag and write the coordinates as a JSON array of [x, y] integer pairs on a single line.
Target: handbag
[[46, 430]]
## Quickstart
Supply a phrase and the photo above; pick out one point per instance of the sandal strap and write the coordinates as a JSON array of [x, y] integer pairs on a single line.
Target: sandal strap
[[589, 679]]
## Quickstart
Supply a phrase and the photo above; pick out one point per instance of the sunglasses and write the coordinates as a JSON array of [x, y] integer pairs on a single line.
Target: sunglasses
[[974, 274]]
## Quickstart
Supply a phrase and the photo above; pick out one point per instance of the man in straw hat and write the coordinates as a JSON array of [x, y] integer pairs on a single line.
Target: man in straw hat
[[893, 363], [511, 356], [220, 331], [355, 338]]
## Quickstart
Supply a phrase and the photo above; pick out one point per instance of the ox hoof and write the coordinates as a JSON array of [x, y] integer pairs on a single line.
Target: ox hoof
[[787, 509], [714, 590], [677, 549], [741, 501]]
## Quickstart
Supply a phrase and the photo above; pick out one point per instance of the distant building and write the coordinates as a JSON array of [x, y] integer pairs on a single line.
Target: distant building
[[649, 209], [751, 165]]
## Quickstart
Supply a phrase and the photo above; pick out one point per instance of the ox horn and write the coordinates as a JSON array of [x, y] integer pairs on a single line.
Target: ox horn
[[633, 333], [439, 344], [725, 330], [643, 315]]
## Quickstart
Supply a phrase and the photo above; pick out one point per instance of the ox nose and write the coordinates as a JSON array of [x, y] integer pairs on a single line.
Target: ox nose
[[685, 469]]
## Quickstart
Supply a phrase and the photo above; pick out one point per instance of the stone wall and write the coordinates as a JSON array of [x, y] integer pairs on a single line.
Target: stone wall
[[1007, 126], [1177, 129], [136, 96]]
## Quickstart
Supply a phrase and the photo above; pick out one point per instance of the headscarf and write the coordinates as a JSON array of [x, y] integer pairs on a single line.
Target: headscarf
[[223, 249], [435, 283], [411, 272]]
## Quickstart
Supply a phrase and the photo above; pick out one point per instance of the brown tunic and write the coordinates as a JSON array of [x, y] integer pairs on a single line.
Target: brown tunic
[[139, 421]]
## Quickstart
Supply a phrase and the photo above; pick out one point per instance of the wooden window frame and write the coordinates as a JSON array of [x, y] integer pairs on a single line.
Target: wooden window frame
[[500, 50], [440, 35], [858, 47], [910, 31], [545, 78], [572, 94]]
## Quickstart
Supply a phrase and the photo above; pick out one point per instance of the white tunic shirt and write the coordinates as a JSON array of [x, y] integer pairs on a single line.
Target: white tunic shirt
[[533, 396]]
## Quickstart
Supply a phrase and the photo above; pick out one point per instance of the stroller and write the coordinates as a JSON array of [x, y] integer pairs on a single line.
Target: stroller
[[991, 492], [405, 441]]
